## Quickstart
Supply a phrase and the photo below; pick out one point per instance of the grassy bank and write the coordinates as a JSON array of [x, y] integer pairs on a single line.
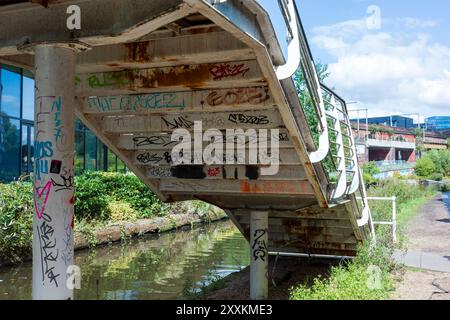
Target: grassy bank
[[101, 199], [369, 275]]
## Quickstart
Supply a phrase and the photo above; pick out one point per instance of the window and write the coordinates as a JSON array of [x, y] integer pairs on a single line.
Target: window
[[121, 166], [79, 147], [9, 149], [101, 156], [91, 151], [27, 149], [112, 161], [10, 85], [28, 99]]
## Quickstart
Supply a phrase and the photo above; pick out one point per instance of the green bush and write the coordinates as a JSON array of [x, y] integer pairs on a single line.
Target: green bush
[[16, 219], [434, 164], [122, 211], [436, 176], [92, 196], [446, 186], [95, 190], [369, 171], [425, 167]]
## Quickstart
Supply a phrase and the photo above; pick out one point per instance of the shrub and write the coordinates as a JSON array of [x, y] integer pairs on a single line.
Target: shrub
[[16, 220], [436, 176], [434, 164], [92, 196], [95, 190], [122, 211], [425, 167], [369, 170], [446, 186]]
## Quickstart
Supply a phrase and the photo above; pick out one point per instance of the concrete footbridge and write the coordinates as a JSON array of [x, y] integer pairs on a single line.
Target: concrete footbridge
[[214, 100]]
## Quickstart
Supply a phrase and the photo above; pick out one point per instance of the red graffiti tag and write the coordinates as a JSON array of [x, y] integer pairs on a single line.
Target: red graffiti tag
[[47, 187], [213, 172], [226, 70]]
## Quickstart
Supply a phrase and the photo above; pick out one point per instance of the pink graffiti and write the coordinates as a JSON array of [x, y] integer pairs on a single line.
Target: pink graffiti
[[213, 172], [47, 187], [226, 70]]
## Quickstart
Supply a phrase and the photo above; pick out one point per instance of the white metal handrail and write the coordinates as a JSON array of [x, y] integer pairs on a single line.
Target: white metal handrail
[[393, 222], [366, 217], [353, 166], [287, 70], [339, 157], [357, 179], [313, 84]]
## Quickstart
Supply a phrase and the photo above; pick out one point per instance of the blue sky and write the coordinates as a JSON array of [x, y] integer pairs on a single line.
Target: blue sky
[[401, 66]]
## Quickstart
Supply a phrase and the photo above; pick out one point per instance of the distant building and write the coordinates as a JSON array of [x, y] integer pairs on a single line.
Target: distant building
[[435, 140], [390, 121], [385, 144], [438, 123]]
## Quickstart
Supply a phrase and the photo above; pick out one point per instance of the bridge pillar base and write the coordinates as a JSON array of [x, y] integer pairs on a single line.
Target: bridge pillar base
[[259, 259]]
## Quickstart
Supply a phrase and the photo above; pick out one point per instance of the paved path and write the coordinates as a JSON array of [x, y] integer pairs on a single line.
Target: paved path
[[429, 250], [423, 260], [430, 231]]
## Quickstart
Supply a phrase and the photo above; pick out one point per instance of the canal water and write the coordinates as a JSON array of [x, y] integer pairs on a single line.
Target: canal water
[[172, 265]]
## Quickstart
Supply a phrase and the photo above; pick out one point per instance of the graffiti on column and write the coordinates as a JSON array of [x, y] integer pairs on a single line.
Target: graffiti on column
[[49, 252], [259, 246], [53, 178], [67, 252]]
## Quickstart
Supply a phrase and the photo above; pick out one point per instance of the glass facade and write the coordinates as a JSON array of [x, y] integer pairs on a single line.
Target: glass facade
[[17, 131], [438, 123]]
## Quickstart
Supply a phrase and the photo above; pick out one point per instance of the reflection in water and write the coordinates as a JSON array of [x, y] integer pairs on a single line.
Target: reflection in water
[[166, 266]]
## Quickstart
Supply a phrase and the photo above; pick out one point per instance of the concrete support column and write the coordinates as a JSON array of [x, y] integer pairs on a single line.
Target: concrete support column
[[53, 171], [259, 260]]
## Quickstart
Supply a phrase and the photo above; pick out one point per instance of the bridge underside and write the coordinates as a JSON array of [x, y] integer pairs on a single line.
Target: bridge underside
[[149, 68]]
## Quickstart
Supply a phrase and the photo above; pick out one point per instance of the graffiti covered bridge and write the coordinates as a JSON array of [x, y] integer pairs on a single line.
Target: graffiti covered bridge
[[137, 71]]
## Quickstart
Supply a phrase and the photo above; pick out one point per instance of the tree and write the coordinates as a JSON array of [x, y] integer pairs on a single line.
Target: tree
[[9, 145], [312, 118], [305, 99]]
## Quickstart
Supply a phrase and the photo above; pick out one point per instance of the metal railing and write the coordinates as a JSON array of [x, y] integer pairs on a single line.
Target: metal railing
[[335, 136], [312, 86], [393, 222], [344, 152]]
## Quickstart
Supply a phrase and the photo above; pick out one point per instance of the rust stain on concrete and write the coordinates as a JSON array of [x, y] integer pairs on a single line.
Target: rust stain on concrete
[[138, 51]]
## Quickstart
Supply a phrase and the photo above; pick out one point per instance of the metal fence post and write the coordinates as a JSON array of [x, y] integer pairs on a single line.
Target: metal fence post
[[394, 219]]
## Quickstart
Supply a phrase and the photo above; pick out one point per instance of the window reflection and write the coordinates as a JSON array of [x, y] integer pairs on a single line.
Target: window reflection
[[10, 93], [9, 149], [28, 98]]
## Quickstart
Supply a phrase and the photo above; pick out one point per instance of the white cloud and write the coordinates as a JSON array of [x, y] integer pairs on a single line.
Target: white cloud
[[389, 72], [412, 23], [9, 99]]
